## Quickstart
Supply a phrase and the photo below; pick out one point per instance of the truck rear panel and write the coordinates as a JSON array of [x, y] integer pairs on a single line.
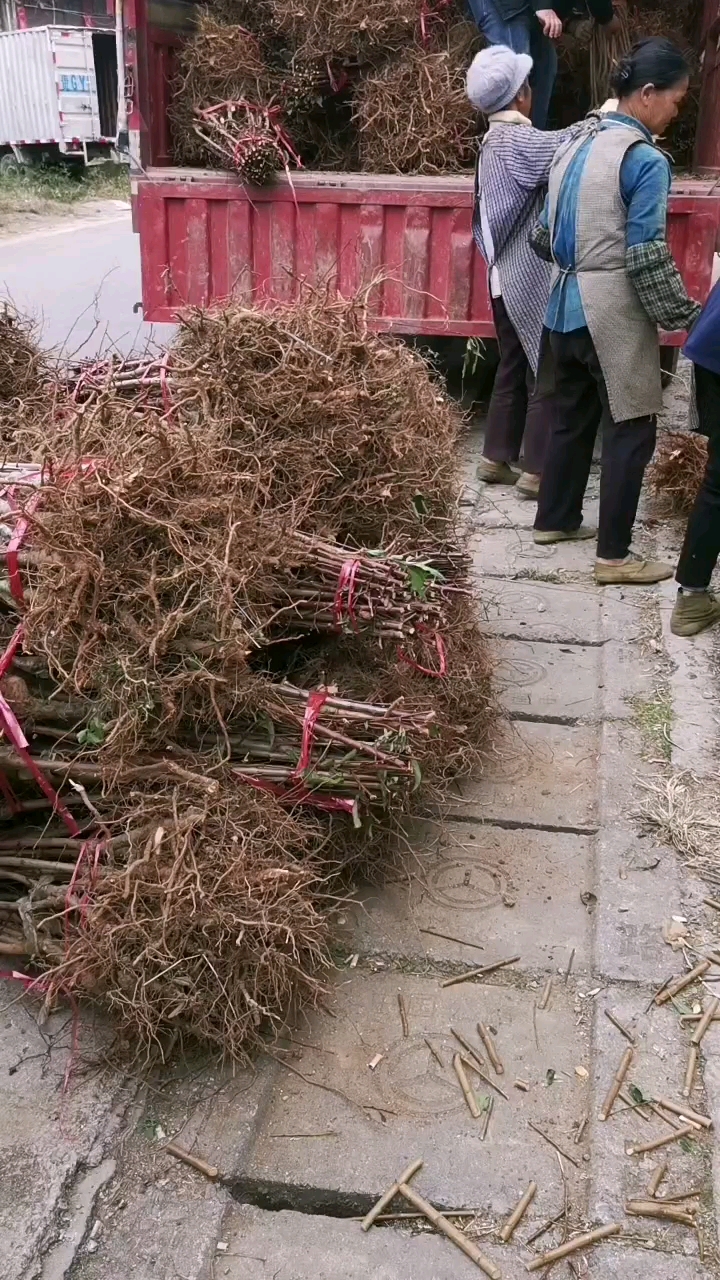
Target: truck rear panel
[[204, 237]]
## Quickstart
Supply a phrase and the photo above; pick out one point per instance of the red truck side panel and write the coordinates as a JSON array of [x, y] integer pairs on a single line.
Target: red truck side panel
[[204, 237]]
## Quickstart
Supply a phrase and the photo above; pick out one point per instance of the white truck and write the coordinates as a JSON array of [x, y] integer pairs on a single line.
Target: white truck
[[58, 96]]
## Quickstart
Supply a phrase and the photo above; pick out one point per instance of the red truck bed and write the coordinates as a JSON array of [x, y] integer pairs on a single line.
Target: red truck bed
[[204, 236]]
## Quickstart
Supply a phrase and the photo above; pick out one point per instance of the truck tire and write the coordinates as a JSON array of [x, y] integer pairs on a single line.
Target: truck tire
[[9, 165]]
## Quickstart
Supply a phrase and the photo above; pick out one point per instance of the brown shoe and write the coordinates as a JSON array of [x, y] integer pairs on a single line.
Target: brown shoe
[[543, 536], [528, 486], [693, 612], [633, 573], [495, 472]]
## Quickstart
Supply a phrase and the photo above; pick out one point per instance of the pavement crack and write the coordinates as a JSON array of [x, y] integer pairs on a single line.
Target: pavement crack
[[518, 824]]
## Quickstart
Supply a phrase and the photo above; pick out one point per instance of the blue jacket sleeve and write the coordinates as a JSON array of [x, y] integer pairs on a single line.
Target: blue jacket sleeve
[[645, 187]]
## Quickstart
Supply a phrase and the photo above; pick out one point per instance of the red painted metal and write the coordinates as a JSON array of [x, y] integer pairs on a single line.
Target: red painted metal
[[407, 241], [707, 142]]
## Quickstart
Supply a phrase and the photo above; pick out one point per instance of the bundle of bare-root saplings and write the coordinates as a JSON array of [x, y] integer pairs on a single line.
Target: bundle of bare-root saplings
[[376, 85], [240, 642]]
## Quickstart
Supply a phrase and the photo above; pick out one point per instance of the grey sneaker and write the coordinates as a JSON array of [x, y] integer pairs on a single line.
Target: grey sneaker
[[694, 612]]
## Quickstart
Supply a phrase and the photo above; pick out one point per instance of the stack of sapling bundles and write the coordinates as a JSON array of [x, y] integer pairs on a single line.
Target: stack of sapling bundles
[[587, 58], [249, 641], [329, 84]]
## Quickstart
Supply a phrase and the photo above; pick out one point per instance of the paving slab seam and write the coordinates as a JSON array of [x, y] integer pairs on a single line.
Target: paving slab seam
[[512, 824], [550, 639]]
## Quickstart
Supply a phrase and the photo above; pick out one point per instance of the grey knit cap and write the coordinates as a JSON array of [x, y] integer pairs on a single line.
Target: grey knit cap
[[495, 77]]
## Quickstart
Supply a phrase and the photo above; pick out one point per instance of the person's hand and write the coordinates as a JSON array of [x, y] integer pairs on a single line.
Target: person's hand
[[550, 23], [612, 27]]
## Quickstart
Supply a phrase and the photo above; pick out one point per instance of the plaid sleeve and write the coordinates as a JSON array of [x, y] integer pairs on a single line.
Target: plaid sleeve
[[660, 286], [540, 241]]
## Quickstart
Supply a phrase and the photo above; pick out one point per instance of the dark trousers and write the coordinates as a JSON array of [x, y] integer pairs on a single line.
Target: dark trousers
[[702, 537], [517, 416], [627, 447]]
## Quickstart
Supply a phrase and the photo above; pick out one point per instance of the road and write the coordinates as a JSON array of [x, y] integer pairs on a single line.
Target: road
[[80, 279]]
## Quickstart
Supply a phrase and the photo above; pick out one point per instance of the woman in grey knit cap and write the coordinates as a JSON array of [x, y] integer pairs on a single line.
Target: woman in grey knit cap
[[512, 176]]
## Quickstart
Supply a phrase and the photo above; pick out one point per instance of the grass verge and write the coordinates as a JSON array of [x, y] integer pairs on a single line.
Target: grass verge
[[57, 188]]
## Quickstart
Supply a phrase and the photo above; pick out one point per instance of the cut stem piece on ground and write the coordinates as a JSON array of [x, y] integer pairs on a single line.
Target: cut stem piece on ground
[[518, 1213], [466, 1045], [403, 1015], [195, 1162], [656, 1179], [680, 984], [705, 1021], [479, 973], [617, 1083], [490, 1083], [468, 1094], [685, 1113], [487, 1038], [690, 1071], [451, 1232], [619, 1027], [642, 1148], [574, 1246], [565, 1155], [653, 1209], [385, 1200], [546, 994]]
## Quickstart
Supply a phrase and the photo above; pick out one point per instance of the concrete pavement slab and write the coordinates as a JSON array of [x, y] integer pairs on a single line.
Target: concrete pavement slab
[[696, 730], [536, 774], [409, 1106], [501, 890], [293, 1246], [57, 1119], [511, 553], [541, 611], [548, 681]]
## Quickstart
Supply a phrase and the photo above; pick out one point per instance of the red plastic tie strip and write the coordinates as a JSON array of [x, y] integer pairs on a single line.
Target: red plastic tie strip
[[19, 535], [300, 795], [11, 728], [430, 10], [441, 652], [7, 658], [314, 705], [344, 602]]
